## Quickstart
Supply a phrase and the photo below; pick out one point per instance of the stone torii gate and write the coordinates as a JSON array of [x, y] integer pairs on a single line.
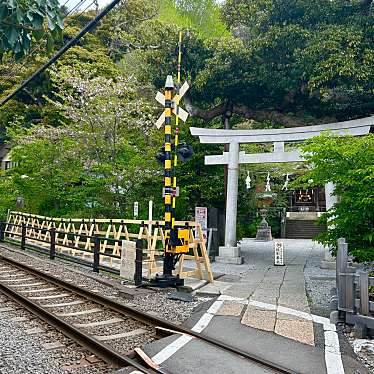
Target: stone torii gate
[[230, 253]]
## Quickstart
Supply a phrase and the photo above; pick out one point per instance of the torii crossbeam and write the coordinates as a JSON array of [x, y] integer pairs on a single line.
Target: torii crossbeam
[[230, 253]]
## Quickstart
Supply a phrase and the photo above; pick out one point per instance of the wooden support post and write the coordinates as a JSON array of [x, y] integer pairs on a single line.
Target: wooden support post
[[75, 233], [2, 231], [138, 263], [52, 252], [23, 236], [96, 255]]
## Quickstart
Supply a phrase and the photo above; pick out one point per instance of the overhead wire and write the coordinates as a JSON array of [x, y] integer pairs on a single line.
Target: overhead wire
[[93, 2]]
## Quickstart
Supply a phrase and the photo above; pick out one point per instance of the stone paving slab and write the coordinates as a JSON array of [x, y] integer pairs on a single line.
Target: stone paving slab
[[275, 285], [193, 284], [213, 289], [301, 331], [294, 302], [230, 309], [259, 318], [237, 291]]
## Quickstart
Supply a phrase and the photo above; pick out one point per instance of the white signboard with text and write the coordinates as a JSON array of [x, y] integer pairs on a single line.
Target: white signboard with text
[[201, 216], [278, 253], [136, 209]]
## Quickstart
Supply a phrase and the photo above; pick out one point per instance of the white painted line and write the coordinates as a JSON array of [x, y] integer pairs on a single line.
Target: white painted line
[[179, 343], [293, 312], [203, 322], [214, 308], [262, 305], [232, 298], [332, 342], [329, 327], [321, 320], [171, 349], [333, 358]]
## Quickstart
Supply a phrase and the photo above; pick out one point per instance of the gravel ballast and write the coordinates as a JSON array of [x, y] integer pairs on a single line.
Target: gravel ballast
[[319, 283], [23, 339], [153, 301]]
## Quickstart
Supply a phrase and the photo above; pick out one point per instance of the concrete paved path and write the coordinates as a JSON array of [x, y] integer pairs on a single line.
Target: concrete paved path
[[259, 280], [264, 310]]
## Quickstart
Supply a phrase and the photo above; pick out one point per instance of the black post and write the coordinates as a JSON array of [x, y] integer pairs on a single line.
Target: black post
[[52, 252], [96, 258], [138, 263], [2, 231], [23, 236]]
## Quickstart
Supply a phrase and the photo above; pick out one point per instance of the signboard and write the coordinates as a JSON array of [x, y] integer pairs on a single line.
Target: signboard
[[136, 209], [175, 192], [278, 253], [128, 254], [201, 216]]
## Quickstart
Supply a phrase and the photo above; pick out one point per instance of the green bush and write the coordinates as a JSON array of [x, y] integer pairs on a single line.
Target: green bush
[[348, 162]]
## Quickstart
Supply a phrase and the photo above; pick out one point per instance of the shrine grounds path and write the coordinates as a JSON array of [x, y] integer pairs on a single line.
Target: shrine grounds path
[[279, 313]]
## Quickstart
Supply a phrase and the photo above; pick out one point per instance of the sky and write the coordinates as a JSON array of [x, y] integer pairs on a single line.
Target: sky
[[73, 3]]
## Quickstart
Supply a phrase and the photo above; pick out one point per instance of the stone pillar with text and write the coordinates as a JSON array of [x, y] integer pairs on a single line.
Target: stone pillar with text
[[331, 200]]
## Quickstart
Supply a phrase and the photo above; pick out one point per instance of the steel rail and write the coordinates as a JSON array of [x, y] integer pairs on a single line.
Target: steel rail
[[102, 350], [149, 319]]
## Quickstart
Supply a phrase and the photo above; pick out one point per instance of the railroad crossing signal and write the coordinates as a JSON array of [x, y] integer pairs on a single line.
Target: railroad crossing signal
[[176, 238], [177, 110]]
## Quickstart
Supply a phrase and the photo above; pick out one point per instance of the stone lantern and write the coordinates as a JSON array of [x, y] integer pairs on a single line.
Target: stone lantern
[[264, 200]]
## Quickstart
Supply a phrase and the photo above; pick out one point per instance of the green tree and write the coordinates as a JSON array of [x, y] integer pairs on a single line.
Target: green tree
[[100, 157], [22, 21], [348, 163], [286, 62]]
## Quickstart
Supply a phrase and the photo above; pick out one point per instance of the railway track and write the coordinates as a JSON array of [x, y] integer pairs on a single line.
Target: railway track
[[53, 351], [105, 327]]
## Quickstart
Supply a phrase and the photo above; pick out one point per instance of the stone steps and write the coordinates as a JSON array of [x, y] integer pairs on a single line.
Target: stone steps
[[302, 229]]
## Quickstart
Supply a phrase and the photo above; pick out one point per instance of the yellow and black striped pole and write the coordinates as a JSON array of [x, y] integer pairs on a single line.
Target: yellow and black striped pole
[[176, 141], [169, 220]]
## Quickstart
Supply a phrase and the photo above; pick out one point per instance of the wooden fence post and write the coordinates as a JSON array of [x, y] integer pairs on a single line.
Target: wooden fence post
[[344, 279], [341, 266], [364, 293]]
